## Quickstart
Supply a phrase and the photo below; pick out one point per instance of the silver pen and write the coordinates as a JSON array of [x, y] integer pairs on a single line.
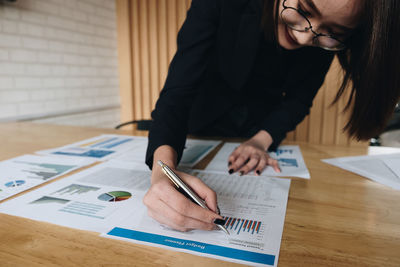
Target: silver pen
[[181, 185]]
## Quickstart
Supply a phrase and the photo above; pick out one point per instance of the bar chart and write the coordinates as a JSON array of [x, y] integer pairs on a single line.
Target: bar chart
[[239, 225], [281, 151], [43, 171], [107, 143], [76, 189], [288, 162]]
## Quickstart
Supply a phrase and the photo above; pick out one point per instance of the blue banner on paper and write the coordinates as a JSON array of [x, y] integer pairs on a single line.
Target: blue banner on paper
[[194, 246]]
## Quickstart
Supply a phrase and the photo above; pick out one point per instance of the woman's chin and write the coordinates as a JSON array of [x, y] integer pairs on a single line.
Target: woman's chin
[[284, 42], [286, 45]]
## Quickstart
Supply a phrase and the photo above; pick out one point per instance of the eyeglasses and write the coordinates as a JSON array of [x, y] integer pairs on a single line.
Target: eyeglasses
[[297, 20]]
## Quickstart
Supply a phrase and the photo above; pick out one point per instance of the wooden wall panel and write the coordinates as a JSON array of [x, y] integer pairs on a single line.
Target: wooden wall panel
[[144, 56], [315, 117], [172, 24], [163, 56], [125, 60], [137, 78], [153, 52], [329, 114], [302, 131]]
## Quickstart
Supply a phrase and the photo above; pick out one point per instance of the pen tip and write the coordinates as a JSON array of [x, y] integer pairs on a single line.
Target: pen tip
[[223, 229], [160, 163]]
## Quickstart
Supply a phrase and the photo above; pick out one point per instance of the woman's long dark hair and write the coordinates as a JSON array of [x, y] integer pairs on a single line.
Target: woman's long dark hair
[[371, 65]]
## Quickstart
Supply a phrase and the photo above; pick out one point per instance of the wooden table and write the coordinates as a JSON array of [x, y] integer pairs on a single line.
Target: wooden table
[[335, 219]]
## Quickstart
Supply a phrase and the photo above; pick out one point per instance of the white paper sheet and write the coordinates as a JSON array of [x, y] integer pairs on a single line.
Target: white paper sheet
[[382, 150], [289, 158], [94, 199], [372, 167], [126, 148], [194, 152], [394, 165], [255, 212], [27, 171], [100, 148]]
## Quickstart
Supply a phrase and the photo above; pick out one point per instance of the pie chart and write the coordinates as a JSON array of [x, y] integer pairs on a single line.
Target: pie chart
[[14, 183], [115, 196]]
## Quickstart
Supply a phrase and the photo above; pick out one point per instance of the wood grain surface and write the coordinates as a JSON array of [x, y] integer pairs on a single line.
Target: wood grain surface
[[335, 219]]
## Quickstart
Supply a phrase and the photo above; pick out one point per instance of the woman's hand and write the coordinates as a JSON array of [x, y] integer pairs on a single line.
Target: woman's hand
[[252, 155], [169, 207]]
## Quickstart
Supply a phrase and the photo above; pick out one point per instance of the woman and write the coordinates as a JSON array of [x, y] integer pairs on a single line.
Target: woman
[[251, 68]]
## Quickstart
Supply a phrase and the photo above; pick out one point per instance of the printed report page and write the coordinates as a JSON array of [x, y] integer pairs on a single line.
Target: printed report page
[[254, 210]]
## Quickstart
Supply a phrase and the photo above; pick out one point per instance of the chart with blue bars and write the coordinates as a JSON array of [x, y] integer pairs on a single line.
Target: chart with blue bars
[[97, 148], [281, 151], [109, 143], [288, 162], [240, 226]]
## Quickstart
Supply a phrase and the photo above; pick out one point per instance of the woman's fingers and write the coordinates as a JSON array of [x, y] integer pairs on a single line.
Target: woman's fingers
[[232, 158], [168, 216], [261, 165], [168, 206], [165, 221], [239, 162], [250, 165], [256, 160], [274, 164], [202, 190], [181, 204], [268, 161]]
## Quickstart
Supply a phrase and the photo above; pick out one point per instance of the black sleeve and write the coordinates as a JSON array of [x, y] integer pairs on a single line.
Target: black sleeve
[[303, 82], [170, 116]]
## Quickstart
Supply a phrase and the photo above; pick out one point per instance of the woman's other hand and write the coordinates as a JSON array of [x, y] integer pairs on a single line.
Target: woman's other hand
[[252, 155]]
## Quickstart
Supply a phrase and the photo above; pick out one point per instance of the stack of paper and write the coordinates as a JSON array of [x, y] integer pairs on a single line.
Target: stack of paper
[[94, 199], [24, 172], [384, 169], [194, 152], [127, 148], [100, 148], [107, 198]]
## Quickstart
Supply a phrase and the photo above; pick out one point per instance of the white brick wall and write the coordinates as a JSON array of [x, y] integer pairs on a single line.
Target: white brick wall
[[58, 56]]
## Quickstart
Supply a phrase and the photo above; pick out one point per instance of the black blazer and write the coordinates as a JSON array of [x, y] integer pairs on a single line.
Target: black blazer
[[217, 50]]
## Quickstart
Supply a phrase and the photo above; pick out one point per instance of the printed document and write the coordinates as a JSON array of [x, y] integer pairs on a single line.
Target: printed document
[[94, 199], [193, 153], [126, 148], [100, 148], [290, 161], [254, 209], [379, 168], [394, 165], [109, 196], [27, 171]]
